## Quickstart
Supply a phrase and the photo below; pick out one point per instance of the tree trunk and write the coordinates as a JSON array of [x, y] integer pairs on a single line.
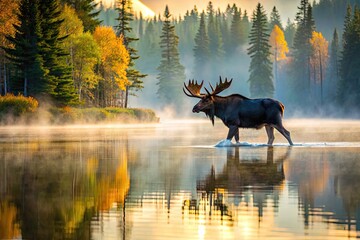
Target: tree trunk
[[321, 80], [5, 80], [126, 96], [25, 86]]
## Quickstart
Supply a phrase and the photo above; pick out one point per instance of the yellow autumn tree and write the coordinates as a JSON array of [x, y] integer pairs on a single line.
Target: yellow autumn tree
[[319, 59], [8, 17], [113, 62], [279, 48]]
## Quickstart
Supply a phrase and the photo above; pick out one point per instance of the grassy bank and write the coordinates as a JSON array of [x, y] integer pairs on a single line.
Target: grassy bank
[[26, 110]]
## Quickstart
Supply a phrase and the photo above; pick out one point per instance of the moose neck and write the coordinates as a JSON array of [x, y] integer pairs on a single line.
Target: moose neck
[[220, 105]]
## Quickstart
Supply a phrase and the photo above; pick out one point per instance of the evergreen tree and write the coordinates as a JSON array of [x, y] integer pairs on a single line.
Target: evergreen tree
[[171, 73], [149, 47], [302, 51], [59, 74], [215, 39], [350, 62], [245, 27], [27, 51], [141, 26], [260, 79], [289, 32], [201, 51], [334, 67], [236, 32], [86, 11], [124, 29], [275, 19]]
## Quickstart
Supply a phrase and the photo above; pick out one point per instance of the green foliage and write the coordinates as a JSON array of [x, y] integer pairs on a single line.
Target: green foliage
[[124, 29], [171, 72], [215, 39], [289, 32], [350, 62], [275, 19], [38, 55], [334, 69], [302, 52], [330, 14], [86, 11], [260, 79], [201, 51]]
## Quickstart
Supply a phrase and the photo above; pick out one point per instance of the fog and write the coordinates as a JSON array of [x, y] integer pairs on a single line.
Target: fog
[[287, 8]]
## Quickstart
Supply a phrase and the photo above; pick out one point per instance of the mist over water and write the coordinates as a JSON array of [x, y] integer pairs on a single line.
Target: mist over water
[[169, 181]]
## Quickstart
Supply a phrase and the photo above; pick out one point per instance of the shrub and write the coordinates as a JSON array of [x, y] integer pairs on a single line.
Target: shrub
[[12, 107]]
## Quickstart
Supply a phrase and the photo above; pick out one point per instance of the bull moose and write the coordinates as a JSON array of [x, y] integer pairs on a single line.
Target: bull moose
[[237, 111]]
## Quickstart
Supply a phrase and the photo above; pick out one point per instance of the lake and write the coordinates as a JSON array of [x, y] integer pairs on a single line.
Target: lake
[[168, 181]]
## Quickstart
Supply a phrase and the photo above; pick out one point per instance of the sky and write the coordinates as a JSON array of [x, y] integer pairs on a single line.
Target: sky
[[286, 8]]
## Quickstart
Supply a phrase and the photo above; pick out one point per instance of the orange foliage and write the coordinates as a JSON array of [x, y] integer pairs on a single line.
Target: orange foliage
[[278, 43], [8, 17], [114, 56]]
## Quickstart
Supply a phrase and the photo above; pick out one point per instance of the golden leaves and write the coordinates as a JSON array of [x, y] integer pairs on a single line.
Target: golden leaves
[[278, 43], [114, 56]]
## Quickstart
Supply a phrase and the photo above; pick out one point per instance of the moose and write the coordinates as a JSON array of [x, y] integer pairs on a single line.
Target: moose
[[237, 111]]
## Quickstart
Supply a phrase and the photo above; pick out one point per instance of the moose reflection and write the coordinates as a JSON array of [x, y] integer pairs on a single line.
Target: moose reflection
[[237, 111], [237, 177]]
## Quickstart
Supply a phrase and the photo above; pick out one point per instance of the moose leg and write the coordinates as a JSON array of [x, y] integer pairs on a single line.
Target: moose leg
[[233, 131], [284, 132], [237, 135], [270, 133]]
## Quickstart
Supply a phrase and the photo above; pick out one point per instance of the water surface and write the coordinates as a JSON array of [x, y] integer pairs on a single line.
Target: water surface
[[168, 181]]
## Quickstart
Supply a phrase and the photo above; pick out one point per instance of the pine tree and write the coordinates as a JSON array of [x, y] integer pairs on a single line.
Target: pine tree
[[334, 67], [215, 39], [201, 51], [87, 12], [171, 72], [245, 27], [260, 79], [53, 54], [124, 29], [289, 32], [27, 50], [236, 33], [275, 19], [302, 52], [350, 63]]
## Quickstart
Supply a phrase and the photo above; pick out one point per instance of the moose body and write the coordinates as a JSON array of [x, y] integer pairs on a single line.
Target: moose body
[[237, 111]]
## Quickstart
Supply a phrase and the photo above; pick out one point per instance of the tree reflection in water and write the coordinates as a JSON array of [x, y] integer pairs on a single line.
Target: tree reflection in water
[[80, 189], [53, 191]]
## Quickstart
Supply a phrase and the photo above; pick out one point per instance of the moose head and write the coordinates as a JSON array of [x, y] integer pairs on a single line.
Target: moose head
[[207, 102]]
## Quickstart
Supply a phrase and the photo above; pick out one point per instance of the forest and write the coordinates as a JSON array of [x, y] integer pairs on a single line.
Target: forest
[[79, 53]]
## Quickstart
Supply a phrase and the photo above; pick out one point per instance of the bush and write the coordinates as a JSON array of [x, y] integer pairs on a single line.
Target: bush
[[12, 107]]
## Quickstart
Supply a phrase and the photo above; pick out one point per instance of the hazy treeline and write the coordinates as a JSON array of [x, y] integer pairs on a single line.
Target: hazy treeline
[[309, 82], [310, 72]]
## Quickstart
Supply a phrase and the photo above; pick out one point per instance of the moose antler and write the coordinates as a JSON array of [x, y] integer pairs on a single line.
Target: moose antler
[[194, 89], [221, 86]]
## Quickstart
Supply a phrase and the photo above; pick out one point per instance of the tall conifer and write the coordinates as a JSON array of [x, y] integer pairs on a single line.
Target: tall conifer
[[350, 64], [124, 29], [171, 73], [26, 54], [260, 79], [201, 50], [275, 19], [302, 51]]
